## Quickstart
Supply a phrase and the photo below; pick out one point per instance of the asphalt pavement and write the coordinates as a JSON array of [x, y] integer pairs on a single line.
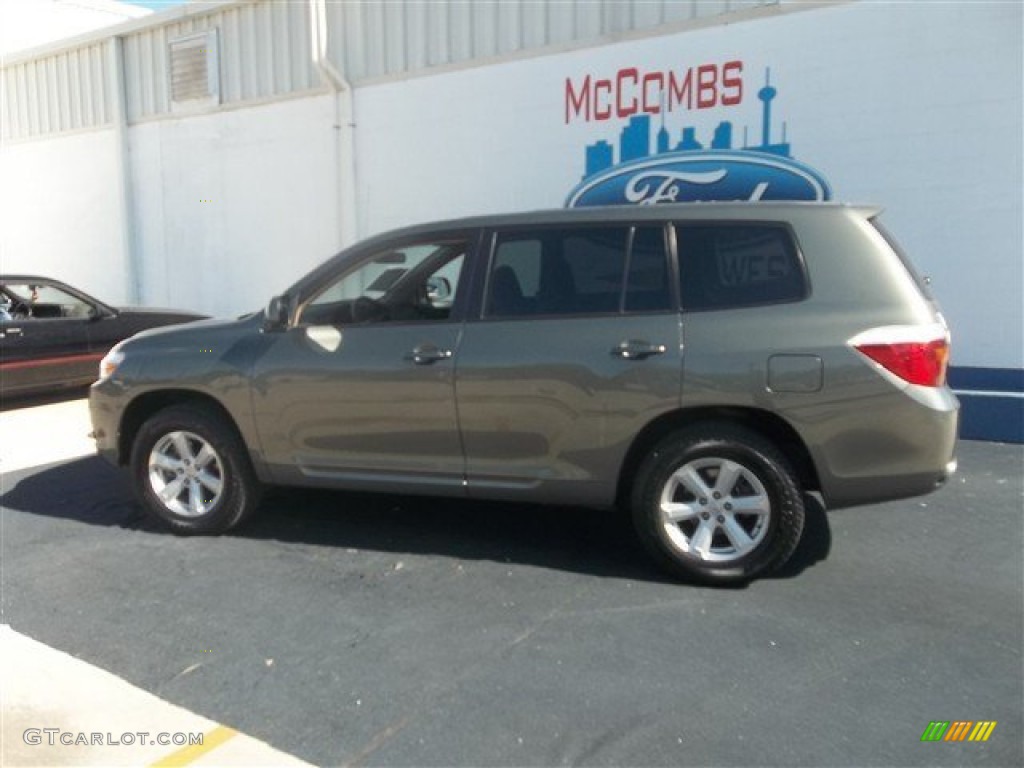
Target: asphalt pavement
[[350, 629]]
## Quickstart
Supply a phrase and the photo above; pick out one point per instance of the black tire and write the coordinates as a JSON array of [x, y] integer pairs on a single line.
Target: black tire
[[752, 528], [217, 487]]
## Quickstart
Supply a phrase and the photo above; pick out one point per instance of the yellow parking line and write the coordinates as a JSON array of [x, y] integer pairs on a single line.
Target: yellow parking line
[[191, 753]]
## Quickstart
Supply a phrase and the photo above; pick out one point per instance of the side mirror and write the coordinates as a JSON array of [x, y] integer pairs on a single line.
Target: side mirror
[[98, 313], [275, 316], [438, 289]]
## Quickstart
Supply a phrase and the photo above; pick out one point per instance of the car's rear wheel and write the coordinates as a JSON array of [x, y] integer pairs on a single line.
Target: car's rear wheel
[[717, 503], [192, 472]]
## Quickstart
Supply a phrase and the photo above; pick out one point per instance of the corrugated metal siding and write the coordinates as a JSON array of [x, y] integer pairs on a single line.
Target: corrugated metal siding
[[66, 91], [370, 40], [265, 50]]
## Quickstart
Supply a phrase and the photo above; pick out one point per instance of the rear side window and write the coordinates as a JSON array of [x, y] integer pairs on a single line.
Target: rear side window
[[738, 265], [922, 282], [578, 271]]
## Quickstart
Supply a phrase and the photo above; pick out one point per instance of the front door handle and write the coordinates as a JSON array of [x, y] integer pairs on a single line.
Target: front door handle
[[426, 354], [635, 349]]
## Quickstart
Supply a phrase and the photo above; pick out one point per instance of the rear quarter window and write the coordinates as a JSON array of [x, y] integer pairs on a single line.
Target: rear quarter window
[[922, 282], [725, 265]]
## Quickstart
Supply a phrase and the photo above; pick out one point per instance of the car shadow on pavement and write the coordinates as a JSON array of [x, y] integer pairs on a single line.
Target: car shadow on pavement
[[582, 540]]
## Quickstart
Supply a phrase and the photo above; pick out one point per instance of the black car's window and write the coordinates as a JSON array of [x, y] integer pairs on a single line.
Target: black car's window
[[737, 265], [577, 271], [414, 283], [40, 301]]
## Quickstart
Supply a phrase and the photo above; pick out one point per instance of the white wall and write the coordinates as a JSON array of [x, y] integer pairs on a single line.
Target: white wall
[[915, 106], [228, 208], [60, 212], [234, 206]]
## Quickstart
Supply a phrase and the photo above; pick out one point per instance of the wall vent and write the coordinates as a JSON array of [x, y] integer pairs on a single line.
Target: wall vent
[[195, 73]]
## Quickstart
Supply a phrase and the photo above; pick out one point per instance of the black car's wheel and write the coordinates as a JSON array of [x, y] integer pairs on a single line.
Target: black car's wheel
[[192, 472], [717, 503]]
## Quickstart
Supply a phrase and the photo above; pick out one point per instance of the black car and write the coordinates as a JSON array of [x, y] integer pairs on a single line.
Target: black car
[[53, 336]]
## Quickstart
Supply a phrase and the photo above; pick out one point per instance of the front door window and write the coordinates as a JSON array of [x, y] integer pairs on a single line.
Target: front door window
[[416, 283]]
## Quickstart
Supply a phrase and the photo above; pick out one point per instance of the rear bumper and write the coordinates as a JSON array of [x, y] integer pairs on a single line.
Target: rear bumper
[[898, 448]]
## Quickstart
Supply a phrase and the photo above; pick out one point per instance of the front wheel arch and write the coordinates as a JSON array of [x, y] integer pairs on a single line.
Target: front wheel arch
[[191, 470], [147, 404]]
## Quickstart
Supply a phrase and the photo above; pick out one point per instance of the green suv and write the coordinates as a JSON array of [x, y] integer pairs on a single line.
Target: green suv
[[703, 366]]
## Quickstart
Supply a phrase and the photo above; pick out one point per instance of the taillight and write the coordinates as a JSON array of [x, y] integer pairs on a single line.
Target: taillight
[[916, 354]]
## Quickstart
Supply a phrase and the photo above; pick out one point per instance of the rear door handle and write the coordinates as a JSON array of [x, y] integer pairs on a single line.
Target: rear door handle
[[426, 354], [635, 349]]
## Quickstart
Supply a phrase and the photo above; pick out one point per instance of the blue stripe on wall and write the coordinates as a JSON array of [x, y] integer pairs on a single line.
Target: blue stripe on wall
[[987, 379], [991, 403]]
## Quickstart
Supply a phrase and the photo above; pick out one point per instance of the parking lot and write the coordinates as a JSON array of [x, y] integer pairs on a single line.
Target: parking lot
[[350, 629]]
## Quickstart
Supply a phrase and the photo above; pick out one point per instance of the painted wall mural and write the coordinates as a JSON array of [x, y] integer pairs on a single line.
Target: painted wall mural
[[653, 167]]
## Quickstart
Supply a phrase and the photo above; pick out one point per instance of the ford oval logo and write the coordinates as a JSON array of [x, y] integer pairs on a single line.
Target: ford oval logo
[[681, 177]]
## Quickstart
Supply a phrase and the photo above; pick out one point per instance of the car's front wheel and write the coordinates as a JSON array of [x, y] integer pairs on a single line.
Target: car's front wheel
[[191, 471], [718, 504]]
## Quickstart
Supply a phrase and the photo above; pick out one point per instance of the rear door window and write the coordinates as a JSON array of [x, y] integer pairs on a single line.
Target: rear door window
[[737, 265], [578, 271], [647, 284]]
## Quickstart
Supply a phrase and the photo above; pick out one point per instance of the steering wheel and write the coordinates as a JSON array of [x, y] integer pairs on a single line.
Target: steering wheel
[[20, 310], [367, 310]]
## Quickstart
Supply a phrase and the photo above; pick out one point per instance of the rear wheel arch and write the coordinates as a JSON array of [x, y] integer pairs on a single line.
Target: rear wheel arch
[[717, 503], [769, 426]]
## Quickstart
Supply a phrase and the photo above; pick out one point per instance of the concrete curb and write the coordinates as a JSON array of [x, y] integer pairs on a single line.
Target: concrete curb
[[43, 434], [59, 710]]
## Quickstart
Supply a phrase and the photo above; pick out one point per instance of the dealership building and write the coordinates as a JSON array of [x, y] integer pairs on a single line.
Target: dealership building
[[206, 156]]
